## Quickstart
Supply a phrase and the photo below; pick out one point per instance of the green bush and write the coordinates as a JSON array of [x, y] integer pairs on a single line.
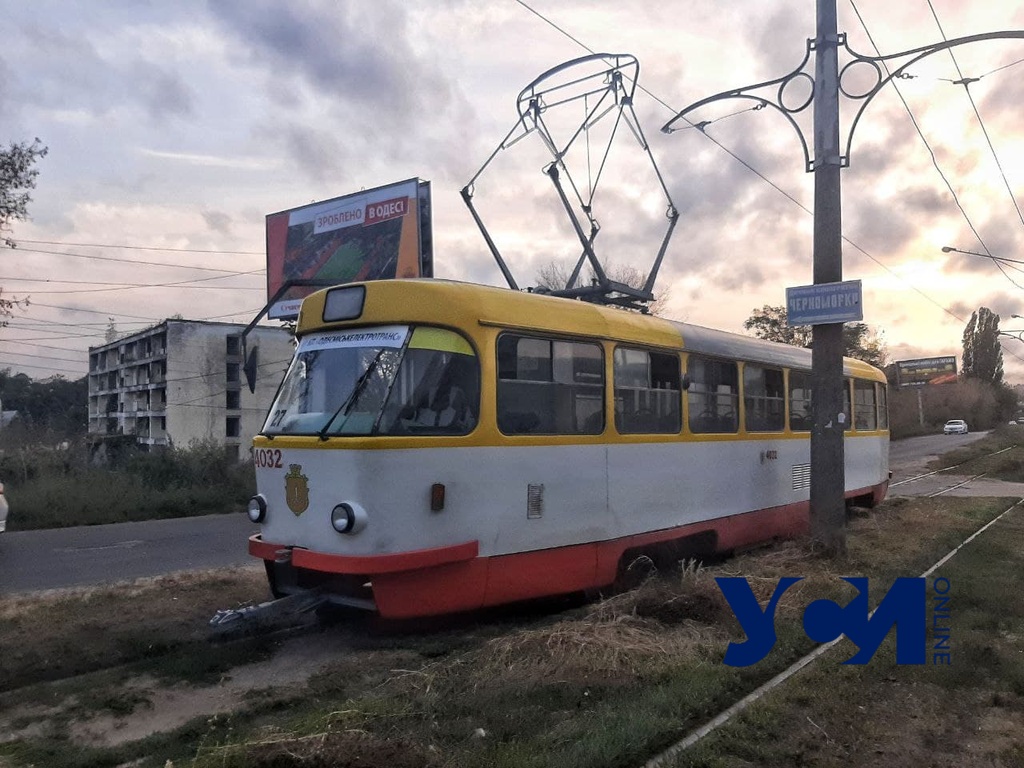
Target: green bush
[[55, 489]]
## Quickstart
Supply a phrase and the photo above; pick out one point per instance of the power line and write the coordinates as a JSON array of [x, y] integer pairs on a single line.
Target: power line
[[786, 194], [140, 247], [49, 280], [988, 139], [665, 104], [927, 145], [43, 346], [931, 152], [46, 357], [178, 283], [79, 374], [93, 311], [132, 261], [760, 175]]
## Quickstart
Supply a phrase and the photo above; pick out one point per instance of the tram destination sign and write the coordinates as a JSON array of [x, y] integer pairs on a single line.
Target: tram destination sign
[[824, 303]]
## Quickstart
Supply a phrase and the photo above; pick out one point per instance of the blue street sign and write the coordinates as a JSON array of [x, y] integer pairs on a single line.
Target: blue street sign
[[824, 303]]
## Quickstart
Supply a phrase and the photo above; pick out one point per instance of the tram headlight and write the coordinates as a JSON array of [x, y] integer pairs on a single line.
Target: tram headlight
[[257, 509], [348, 518]]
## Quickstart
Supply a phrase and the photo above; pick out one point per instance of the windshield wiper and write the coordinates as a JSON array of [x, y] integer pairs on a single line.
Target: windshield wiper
[[345, 407]]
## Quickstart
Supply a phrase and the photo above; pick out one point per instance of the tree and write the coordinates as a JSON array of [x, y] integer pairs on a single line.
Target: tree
[[983, 357], [859, 339], [17, 177], [769, 323], [555, 276], [53, 406]]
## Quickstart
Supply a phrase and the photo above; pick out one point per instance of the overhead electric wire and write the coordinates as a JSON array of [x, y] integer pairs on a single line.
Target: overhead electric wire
[[134, 261], [44, 357], [664, 103], [139, 247], [931, 152], [988, 139], [49, 280], [177, 283], [1000, 69], [938, 169], [79, 374], [785, 194], [760, 175], [44, 346]]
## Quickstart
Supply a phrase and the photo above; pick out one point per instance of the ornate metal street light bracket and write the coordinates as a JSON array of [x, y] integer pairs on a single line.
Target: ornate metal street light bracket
[[772, 93]]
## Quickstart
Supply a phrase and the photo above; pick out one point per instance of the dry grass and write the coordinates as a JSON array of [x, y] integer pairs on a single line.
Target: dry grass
[[662, 621], [602, 685], [57, 634]]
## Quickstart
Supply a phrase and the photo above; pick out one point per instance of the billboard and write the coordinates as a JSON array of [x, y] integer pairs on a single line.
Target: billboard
[[375, 234], [928, 370]]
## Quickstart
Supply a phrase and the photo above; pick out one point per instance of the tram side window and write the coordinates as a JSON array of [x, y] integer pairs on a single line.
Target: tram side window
[[713, 396], [865, 412], [764, 399], [646, 392], [549, 387], [800, 401], [883, 407]]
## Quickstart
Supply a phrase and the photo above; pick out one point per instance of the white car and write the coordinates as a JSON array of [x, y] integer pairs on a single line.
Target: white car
[[955, 427], [3, 509]]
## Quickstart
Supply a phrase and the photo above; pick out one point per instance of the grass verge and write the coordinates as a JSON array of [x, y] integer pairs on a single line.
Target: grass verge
[[614, 682], [999, 455], [969, 712]]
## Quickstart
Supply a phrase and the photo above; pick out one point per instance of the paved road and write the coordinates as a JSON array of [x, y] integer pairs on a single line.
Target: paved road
[[98, 554], [91, 555]]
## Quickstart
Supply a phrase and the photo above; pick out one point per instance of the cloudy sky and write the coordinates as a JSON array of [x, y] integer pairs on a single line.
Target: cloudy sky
[[174, 128]]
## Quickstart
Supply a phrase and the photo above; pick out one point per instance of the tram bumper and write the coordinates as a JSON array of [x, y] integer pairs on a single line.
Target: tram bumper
[[415, 583]]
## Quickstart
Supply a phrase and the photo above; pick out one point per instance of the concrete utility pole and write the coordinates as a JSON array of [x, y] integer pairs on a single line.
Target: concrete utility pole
[[828, 505]]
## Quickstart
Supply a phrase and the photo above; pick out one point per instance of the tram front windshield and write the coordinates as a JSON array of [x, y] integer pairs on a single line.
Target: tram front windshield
[[388, 380]]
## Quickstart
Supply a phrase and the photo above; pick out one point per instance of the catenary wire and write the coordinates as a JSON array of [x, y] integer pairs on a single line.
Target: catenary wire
[[775, 186]]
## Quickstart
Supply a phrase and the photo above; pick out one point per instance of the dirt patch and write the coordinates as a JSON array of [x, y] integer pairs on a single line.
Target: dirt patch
[[605, 684], [170, 707], [164, 612]]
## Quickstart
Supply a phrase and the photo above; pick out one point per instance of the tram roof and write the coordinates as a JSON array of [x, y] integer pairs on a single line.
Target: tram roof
[[463, 305]]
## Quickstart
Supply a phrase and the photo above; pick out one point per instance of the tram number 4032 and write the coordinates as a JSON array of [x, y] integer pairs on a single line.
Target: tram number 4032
[[268, 457]]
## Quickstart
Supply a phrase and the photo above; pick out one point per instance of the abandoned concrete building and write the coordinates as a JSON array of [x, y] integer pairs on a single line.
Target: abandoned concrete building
[[182, 381]]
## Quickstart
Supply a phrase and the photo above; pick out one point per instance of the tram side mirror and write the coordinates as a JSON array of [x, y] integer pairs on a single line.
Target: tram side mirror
[[686, 381], [252, 362]]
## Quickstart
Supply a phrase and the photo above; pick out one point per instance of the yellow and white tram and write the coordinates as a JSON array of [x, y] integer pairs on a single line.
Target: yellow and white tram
[[438, 447]]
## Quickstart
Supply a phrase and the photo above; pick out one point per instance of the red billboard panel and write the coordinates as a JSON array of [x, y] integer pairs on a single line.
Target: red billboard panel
[[375, 234]]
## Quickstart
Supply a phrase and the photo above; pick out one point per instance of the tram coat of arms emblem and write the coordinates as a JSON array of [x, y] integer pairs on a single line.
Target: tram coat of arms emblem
[[296, 489]]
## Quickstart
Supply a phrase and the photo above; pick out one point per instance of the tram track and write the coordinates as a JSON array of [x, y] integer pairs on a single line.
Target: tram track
[[668, 756], [950, 469]]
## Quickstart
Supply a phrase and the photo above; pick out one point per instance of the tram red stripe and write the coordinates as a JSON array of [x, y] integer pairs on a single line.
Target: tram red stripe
[[430, 582], [367, 564]]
